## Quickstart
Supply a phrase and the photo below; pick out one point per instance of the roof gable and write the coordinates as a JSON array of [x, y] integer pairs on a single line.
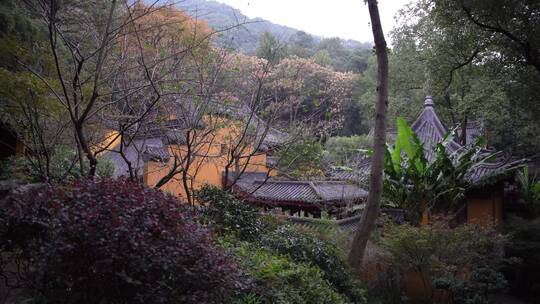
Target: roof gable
[[430, 130]]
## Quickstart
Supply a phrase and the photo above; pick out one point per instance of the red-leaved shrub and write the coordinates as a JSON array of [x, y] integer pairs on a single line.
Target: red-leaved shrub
[[112, 241]]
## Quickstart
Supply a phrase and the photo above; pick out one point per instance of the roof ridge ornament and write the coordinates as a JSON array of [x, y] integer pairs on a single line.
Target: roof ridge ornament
[[428, 102]]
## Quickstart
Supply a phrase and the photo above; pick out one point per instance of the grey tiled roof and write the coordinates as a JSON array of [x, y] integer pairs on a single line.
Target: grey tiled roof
[[256, 186], [485, 171], [156, 153], [285, 191], [272, 139], [336, 191], [430, 130], [348, 224], [137, 151], [357, 174], [345, 175], [473, 131]]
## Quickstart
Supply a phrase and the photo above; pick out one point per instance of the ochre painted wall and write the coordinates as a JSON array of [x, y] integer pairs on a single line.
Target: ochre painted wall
[[416, 285], [206, 168], [425, 219], [110, 140], [19, 148], [485, 210], [203, 171]]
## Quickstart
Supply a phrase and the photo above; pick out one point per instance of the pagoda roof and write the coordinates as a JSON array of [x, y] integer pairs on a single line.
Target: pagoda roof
[[430, 130]]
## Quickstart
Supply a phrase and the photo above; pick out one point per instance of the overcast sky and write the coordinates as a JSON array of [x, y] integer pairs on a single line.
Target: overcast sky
[[337, 18]]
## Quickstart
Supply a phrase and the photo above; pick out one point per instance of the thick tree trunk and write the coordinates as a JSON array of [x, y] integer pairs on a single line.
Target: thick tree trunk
[[371, 211]]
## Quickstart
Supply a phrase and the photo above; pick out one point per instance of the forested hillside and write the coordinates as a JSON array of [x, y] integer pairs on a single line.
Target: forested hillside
[[440, 54], [246, 32]]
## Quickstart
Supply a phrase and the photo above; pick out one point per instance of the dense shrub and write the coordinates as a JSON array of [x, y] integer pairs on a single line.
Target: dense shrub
[[466, 261], [524, 244], [277, 279], [227, 213], [306, 248], [114, 242]]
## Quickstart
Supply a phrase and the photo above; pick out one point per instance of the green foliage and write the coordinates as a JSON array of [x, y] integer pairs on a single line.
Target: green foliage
[[228, 214], [63, 166], [416, 184], [322, 58], [21, 35], [17, 168], [529, 190], [406, 87], [467, 260], [280, 280], [525, 245], [341, 57], [270, 48], [301, 159], [483, 281], [295, 253], [355, 118], [506, 24], [14, 22], [474, 73], [341, 150], [301, 44], [250, 298], [411, 247], [306, 248]]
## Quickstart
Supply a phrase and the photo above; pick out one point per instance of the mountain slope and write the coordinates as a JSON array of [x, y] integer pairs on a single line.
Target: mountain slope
[[245, 38]]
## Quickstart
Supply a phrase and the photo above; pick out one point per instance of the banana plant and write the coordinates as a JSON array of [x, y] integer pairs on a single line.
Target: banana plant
[[529, 190], [416, 184]]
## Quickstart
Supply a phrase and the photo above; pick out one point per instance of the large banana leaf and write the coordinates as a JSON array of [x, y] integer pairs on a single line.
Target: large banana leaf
[[408, 142]]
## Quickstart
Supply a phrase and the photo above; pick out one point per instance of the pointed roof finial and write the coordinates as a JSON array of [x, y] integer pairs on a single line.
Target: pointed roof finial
[[428, 102]]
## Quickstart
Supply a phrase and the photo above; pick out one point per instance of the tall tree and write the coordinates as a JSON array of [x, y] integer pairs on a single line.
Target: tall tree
[[301, 44], [371, 212], [511, 24], [270, 48], [475, 76]]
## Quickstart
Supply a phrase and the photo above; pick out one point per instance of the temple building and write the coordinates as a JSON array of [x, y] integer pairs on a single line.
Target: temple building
[[485, 199], [154, 148], [160, 146]]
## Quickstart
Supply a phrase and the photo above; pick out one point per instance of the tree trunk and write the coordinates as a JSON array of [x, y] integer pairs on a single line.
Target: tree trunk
[[463, 137], [92, 160], [371, 211]]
